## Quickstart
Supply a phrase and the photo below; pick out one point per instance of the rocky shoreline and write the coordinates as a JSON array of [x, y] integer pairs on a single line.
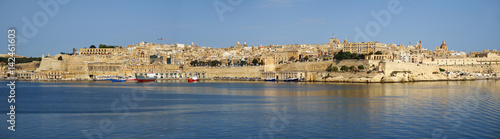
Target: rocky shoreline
[[401, 78]]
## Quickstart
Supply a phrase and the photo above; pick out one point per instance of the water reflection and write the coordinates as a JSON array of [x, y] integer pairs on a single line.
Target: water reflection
[[241, 109]]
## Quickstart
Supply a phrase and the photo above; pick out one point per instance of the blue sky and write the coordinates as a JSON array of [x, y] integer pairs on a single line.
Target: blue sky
[[466, 25]]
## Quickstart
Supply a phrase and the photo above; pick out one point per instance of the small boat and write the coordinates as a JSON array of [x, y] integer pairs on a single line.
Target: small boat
[[97, 79], [101, 79], [270, 79], [291, 79], [131, 79], [119, 80], [193, 79], [146, 78]]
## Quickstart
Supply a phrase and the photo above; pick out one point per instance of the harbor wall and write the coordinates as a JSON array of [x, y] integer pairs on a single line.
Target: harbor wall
[[472, 68], [249, 71], [414, 68], [323, 65]]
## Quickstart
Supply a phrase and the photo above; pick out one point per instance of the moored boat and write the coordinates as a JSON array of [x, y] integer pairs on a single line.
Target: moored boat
[[193, 79], [291, 79], [98, 79], [119, 80], [270, 79], [146, 78], [101, 79], [131, 79]]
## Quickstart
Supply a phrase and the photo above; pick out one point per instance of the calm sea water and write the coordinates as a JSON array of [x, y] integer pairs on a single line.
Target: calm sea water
[[468, 109]]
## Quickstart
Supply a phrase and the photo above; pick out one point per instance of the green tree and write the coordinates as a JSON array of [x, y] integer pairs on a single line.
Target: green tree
[[60, 58], [361, 56], [292, 59], [92, 46], [352, 68], [343, 55], [194, 63], [214, 63], [378, 52], [255, 61], [243, 63], [334, 69], [21, 60], [306, 58], [344, 68], [105, 46], [361, 67]]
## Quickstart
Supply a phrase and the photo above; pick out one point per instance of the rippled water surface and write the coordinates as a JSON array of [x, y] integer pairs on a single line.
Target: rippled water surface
[[468, 109]]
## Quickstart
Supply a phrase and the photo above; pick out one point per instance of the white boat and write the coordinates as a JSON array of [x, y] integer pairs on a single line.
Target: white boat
[[291, 79]]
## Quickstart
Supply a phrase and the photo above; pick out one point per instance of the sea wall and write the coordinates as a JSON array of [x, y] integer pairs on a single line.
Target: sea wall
[[414, 68], [322, 65], [344, 76], [249, 71], [472, 68]]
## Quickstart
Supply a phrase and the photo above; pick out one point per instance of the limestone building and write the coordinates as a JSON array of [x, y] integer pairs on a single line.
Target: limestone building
[[362, 47], [284, 56]]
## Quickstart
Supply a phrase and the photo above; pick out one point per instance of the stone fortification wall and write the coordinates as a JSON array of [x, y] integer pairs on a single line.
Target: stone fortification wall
[[414, 68], [31, 66], [388, 67], [51, 64], [320, 66], [473, 68], [341, 76], [250, 71]]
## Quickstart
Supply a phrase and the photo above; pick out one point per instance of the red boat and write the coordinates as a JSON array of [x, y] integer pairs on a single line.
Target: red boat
[[193, 79], [131, 79], [147, 78]]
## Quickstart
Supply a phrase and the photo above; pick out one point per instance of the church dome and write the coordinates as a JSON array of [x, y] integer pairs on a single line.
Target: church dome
[[444, 46]]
